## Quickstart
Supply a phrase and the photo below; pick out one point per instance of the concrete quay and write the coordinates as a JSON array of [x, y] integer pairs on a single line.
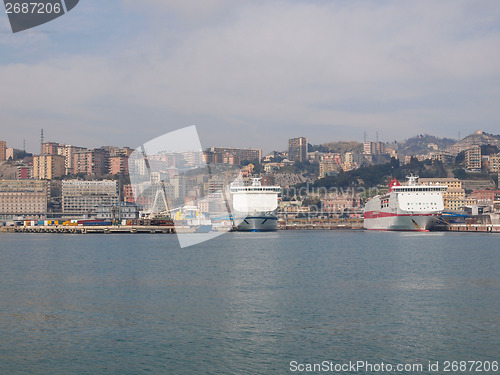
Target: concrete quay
[[111, 229]]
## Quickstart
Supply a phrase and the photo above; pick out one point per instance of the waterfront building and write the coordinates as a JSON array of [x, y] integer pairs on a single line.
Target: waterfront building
[[454, 196], [121, 211], [3, 151], [23, 197], [48, 166], [340, 203], [297, 149], [486, 196], [84, 197], [473, 158]]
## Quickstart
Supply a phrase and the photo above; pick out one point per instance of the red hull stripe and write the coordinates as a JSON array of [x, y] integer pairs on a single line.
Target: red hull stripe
[[376, 215]]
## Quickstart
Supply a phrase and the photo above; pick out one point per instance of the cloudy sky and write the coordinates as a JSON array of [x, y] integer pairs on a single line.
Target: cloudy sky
[[251, 72]]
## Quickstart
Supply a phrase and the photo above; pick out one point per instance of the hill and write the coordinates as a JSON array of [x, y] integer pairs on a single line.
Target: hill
[[424, 143], [478, 138]]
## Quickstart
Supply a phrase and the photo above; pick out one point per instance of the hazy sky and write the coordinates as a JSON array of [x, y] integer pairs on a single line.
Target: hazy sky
[[252, 73]]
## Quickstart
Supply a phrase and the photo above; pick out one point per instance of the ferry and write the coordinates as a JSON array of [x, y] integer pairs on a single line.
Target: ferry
[[410, 207], [255, 206]]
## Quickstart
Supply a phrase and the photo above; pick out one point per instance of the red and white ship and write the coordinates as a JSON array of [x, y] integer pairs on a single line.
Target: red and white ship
[[410, 207]]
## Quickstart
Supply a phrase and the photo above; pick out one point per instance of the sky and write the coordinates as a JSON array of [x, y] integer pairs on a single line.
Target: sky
[[252, 73]]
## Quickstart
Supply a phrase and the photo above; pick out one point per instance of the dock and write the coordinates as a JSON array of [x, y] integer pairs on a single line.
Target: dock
[[107, 229]]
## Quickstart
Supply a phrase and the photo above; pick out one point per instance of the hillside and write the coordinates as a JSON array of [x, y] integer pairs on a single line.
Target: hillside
[[423, 143], [478, 138]]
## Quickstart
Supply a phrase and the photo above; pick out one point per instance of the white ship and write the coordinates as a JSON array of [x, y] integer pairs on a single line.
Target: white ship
[[412, 207], [255, 206]]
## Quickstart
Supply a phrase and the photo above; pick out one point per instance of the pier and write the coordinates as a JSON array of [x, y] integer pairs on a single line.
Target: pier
[[108, 229]]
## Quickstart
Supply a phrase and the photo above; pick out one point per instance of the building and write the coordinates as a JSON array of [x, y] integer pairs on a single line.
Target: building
[[374, 148], [48, 166], [121, 211], [327, 167], [340, 203], [454, 197], [68, 151], [118, 165], [231, 155], [24, 172], [13, 153], [486, 196], [85, 197], [23, 198], [473, 158], [297, 149], [3, 151], [50, 148], [91, 162], [494, 163]]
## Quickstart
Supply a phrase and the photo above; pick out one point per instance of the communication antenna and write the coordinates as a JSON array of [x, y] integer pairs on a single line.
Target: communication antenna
[[365, 137], [24, 145], [41, 142], [459, 135], [377, 136]]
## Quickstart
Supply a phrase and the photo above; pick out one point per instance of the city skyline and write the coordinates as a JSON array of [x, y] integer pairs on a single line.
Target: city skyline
[[121, 72]]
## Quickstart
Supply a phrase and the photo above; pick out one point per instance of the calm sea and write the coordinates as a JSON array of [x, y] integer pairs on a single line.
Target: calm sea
[[246, 303]]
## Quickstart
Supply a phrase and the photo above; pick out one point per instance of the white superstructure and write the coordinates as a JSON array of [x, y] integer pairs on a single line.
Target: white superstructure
[[255, 206], [412, 207]]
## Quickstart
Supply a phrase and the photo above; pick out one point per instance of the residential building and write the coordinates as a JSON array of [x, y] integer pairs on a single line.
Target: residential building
[[91, 162], [473, 158], [495, 163], [231, 155], [48, 166], [50, 148], [3, 151], [454, 197], [297, 149], [23, 197], [118, 165], [328, 166], [12, 153], [68, 151], [374, 148], [85, 197], [24, 172]]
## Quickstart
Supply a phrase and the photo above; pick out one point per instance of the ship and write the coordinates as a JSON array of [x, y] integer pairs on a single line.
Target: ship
[[255, 206], [409, 207]]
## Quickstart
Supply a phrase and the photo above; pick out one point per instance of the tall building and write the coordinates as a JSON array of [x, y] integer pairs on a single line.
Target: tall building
[[23, 197], [118, 165], [68, 151], [297, 149], [91, 162], [3, 151], [85, 197], [473, 158], [374, 148], [47, 167], [50, 148]]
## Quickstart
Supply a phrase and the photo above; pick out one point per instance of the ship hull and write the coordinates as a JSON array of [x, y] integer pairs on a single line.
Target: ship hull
[[258, 224], [417, 223]]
